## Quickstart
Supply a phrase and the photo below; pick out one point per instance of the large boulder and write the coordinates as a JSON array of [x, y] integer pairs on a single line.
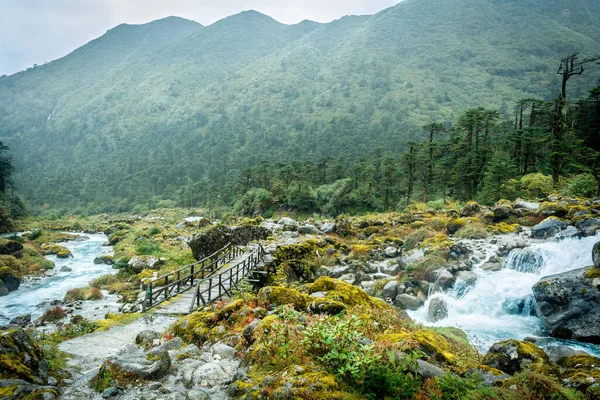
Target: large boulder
[[214, 239], [131, 366], [438, 309], [567, 304], [21, 358], [596, 255], [9, 246], [502, 210], [139, 263], [9, 279], [588, 226], [547, 228], [526, 205], [512, 356]]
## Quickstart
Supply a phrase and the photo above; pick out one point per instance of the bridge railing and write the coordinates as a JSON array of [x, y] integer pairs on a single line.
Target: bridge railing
[[214, 287], [166, 286]]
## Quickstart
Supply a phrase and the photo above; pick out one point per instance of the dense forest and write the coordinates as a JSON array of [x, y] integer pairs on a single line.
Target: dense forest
[[172, 113]]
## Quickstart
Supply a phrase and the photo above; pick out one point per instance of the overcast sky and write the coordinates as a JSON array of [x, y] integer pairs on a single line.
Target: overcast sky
[[36, 31]]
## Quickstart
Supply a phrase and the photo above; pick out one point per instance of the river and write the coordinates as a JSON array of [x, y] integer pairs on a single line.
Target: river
[[33, 292], [498, 306]]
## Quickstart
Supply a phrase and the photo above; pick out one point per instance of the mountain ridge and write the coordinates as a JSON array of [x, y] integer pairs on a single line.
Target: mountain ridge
[[214, 100]]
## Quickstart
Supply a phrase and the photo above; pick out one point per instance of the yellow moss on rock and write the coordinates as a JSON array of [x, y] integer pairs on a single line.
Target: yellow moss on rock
[[512, 356], [279, 296], [503, 228], [433, 344], [455, 225], [346, 293]]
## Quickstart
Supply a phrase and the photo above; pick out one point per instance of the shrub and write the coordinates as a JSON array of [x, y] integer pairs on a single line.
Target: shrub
[[153, 231], [436, 205], [475, 230], [85, 293], [147, 247], [54, 314], [102, 282], [254, 202], [582, 185], [536, 185], [416, 237]]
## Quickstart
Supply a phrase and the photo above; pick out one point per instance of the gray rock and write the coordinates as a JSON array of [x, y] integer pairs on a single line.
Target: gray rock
[[567, 304], [223, 350], [250, 329], [588, 226], [547, 228], [502, 211], [288, 224], [172, 344], [438, 309], [139, 263], [328, 227], [569, 232], [3, 289], [443, 281], [505, 356], [340, 270], [66, 269], [407, 302], [494, 267], [10, 247], [308, 229], [152, 365], [21, 320], [198, 394], [596, 255], [469, 277], [348, 278], [526, 205], [487, 376], [391, 252], [215, 373], [145, 338], [111, 392], [557, 353], [10, 281], [392, 267], [390, 290]]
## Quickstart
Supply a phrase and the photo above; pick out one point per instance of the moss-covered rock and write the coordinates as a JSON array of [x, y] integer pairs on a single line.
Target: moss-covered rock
[[513, 356], [215, 238], [470, 209], [550, 208], [349, 295], [455, 225], [279, 296], [21, 358]]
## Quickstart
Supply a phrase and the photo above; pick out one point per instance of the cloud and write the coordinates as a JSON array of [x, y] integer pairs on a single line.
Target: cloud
[[35, 31]]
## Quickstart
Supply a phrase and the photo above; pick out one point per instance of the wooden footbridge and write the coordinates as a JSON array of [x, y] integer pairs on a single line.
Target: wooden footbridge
[[211, 278]]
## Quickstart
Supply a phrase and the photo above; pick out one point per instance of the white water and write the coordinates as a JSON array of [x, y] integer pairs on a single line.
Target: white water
[[497, 307], [26, 299]]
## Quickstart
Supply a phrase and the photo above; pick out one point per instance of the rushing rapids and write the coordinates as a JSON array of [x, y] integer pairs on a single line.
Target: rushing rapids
[[33, 293], [499, 305]]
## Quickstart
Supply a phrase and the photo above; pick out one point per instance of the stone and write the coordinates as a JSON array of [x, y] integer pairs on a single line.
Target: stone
[[308, 229], [215, 373], [422, 368], [526, 205], [513, 356], [3, 289], [10, 247], [588, 226], [150, 366], [340, 270], [21, 358], [489, 376], [172, 344], [217, 237], [470, 209], [111, 392], [596, 255], [390, 290], [393, 267], [328, 227], [139, 263], [567, 304], [198, 394], [66, 269], [223, 350], [288, 224], [249, 330], [469, 277], [502, 211], [569, 232], [438, 309], [21, 320], [145, 338], [104, 259], [391, 252], [407, 302], [558, 353], [493, 267], [11, 282], [443, 281], [547, 228]]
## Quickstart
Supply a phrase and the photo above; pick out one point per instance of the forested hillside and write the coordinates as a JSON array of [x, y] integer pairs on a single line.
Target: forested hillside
[[173, 113]]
